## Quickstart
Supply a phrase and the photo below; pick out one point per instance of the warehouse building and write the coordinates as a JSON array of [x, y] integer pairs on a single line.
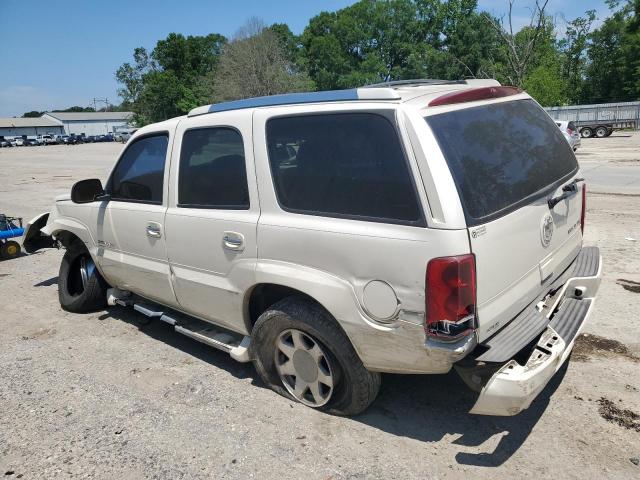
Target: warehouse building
[[90, 123], [19, 127]]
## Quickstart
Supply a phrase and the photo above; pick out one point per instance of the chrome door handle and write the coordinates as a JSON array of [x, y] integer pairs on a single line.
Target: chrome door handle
[[233, 241], [154, 230]]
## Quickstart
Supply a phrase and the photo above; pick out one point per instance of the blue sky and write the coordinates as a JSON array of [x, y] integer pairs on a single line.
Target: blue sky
[[55, 55]]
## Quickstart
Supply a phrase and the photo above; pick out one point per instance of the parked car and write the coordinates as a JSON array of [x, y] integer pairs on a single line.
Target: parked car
[[31, 142], [403, 231], [570, 133], [89, 139], [46, 139], [19, 141], [125, 136], [4, 143]]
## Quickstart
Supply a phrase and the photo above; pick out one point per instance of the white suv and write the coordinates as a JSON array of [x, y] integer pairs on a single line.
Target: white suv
[[332, 236]]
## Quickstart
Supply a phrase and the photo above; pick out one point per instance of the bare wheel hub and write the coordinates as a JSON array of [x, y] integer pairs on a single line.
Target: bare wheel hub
[[304, 368]]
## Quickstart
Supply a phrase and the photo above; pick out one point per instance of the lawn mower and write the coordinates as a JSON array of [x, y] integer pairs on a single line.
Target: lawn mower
[[10, 227]]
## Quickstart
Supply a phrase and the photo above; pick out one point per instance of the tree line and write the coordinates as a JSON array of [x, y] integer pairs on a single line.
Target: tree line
[[371, 41]]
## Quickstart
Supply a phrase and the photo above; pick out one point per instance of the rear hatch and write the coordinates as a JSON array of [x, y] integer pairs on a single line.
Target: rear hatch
[[508, 159]]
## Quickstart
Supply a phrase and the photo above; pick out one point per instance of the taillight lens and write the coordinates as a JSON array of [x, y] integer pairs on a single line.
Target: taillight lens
[[569, 131], [450, 296], [583, 212]]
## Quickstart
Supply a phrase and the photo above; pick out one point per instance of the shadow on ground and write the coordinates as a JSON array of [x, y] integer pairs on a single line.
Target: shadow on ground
[[47, 283], [165, 333], [422, 407]]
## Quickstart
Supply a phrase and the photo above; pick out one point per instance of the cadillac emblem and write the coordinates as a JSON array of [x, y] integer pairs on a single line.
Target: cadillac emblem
[[546, 229]]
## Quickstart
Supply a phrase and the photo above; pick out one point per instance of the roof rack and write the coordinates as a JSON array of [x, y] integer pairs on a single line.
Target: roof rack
[[415, 82], [353, 94]]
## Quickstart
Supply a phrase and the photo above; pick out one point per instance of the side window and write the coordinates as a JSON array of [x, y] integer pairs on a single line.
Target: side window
[[212, 170], [342, 165], [138, 177]]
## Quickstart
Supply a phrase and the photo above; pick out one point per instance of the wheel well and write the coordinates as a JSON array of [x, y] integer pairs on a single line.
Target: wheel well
[[66, 238], [266, 294]]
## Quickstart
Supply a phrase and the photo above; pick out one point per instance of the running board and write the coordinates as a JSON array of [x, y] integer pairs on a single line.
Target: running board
[[235, 344]]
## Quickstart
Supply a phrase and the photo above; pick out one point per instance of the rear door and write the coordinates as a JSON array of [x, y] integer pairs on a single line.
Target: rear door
[[212, 216], [508, 159]]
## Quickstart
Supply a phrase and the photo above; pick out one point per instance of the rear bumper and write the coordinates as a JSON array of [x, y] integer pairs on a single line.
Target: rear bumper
[[515, 385]]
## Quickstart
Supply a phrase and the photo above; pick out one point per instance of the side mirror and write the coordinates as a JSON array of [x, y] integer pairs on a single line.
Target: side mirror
[[87, 191]]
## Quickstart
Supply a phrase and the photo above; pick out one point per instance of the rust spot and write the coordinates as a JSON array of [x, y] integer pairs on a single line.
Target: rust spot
[[614, 414], [629, 285], [587, 345]]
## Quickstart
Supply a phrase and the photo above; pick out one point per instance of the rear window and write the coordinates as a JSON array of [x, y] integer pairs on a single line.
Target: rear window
[[346, 165], [502, 156]]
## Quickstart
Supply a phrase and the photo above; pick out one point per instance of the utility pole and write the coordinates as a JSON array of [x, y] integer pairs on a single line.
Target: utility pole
[[101, 100]]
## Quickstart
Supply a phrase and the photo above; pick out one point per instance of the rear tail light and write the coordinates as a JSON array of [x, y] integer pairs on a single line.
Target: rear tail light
[[473, 94], [584, 206], [569, 131], [450, 297]]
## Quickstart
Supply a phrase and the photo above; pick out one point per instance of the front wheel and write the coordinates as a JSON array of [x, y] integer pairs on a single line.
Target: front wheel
[[81, 288], [586, 132], [301, 353]]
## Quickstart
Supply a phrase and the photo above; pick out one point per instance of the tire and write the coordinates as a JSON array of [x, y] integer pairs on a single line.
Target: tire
[[78, 292], [586, 132], [353, 388], [601, 132], [9, 249]]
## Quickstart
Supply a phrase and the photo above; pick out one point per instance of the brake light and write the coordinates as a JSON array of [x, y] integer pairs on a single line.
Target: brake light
[[450, 295], [569, 131], [473, 94], [584, 206]]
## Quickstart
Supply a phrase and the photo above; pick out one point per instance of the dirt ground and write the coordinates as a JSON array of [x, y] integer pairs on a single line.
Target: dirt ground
[[108, 396]]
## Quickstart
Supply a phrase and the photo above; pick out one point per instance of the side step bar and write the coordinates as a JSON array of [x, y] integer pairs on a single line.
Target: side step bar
[[235, 344]]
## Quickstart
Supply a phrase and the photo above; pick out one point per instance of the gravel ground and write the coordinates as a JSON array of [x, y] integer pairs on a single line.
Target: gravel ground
[[106, 395]]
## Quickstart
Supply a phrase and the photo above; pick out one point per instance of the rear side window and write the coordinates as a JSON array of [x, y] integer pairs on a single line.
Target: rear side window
[[347, 165], [138, 177], [502, 156], [212, 170]]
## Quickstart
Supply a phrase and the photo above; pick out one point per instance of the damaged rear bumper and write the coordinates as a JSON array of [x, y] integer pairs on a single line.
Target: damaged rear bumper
[[517, 383]]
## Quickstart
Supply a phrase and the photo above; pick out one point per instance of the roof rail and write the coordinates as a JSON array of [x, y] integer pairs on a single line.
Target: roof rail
[[353, 94], [416, 82]]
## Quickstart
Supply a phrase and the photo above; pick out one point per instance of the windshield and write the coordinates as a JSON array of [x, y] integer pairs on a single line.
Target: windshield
[[502, 156]]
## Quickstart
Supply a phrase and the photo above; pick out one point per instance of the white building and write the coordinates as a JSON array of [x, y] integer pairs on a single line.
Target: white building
[[90, 123], [19, 127]]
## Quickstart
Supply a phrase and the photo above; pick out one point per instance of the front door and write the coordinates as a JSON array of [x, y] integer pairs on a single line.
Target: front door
[[130, 226], [212, 216]]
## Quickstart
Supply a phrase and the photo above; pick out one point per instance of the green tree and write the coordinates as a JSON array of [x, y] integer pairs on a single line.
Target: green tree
[[169, 81], [32, 114], [374, 41], [613, 67], [254, 64], [573, 52]]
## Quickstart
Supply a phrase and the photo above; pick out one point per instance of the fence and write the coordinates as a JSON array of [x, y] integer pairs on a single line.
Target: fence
[[623, 113]]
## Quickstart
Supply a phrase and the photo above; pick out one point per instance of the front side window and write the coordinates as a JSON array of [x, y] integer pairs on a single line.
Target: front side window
[[138, 177], [212, 170], [347, 165]]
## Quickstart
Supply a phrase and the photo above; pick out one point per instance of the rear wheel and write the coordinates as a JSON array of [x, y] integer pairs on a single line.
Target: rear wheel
[[9, 249], [601, 132], [81, 288], [301, 353]]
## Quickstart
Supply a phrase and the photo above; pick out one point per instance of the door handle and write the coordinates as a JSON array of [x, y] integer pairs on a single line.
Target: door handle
[[154, 230], [233, 241]]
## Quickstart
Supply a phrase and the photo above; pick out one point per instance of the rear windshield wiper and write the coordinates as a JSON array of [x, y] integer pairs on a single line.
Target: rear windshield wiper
[[568, 190]]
